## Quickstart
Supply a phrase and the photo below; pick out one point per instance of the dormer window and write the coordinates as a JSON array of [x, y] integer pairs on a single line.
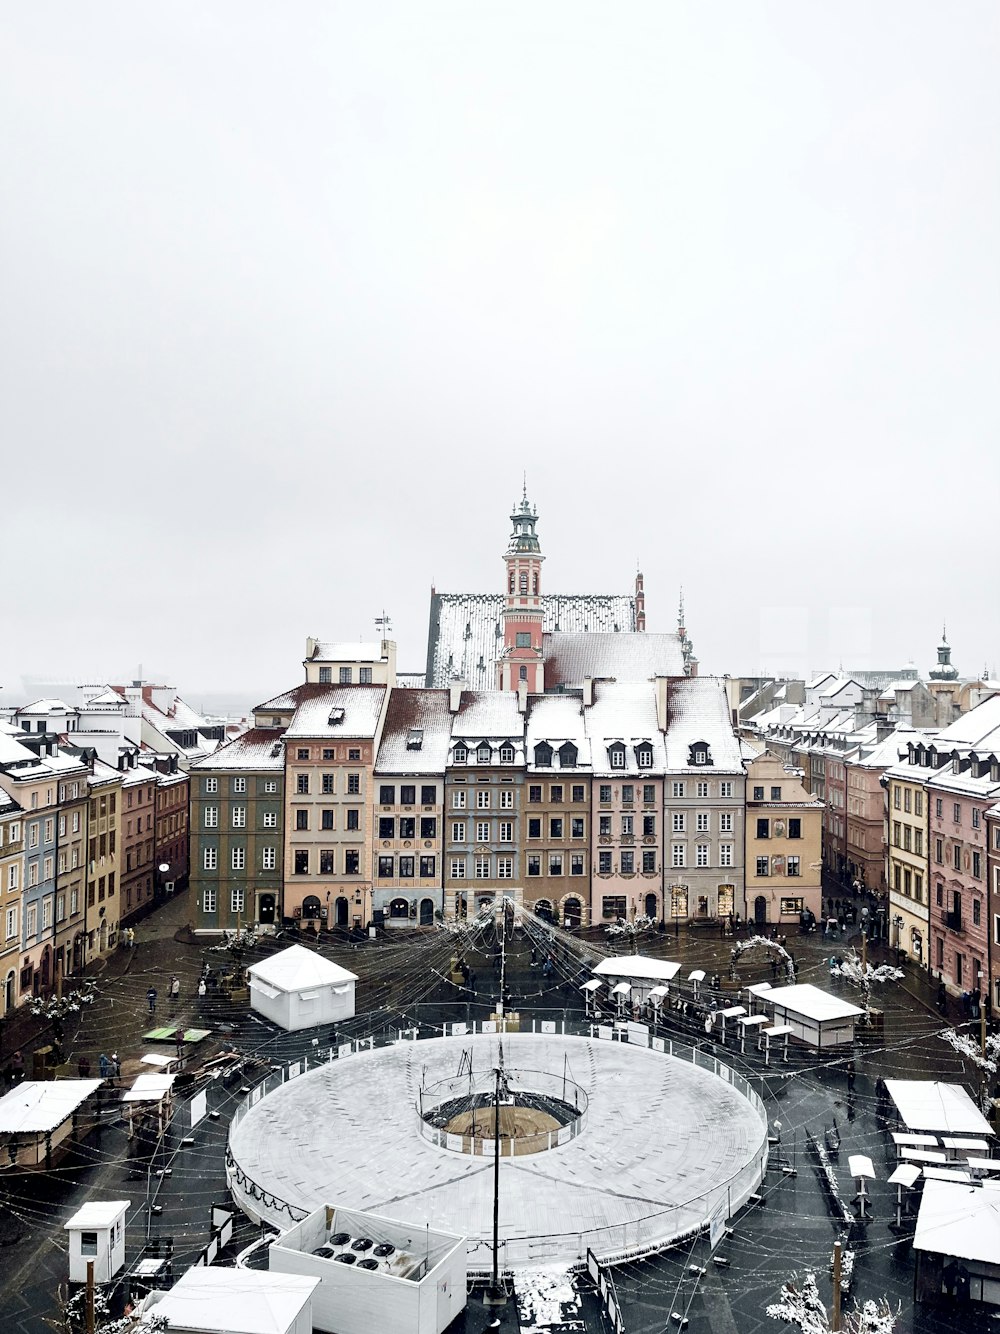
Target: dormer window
[[461, 755], [543, 755], [336, 716], [567, 755], [616, 755], [415, 738], [644, 755], [700, 753], [484, 753], [506, 754]]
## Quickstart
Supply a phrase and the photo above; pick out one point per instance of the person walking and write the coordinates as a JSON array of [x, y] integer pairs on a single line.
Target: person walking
[[175, 989], [151, 1000], [202, 988], [116, 1068], [104, 1065]]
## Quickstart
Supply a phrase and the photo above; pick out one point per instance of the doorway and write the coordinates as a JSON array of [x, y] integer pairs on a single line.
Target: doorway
[[340, 911], [651, 906], [571, 913], [760, 910], [426, 912], [265, 910]]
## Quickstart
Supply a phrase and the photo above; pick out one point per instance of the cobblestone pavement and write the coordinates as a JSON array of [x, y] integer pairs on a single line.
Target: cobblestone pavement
[[404, 982]]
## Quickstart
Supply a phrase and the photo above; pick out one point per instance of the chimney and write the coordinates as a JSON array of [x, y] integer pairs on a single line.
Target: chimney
[[640, 603], [883, 729], [588, 691], [455, 689], [662, 702], [522, 697]]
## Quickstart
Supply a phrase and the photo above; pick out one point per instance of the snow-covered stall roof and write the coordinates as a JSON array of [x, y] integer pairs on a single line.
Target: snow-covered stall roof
[[297, 968], [235, 1301], [960, 1221], [36, 1106], [944, 1109], [638, 966], [149, 1088], [811, 1002]]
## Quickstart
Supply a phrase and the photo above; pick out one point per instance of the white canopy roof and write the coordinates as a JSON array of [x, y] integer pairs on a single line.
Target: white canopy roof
[[924, 1104], [959, 1220], [298, 969], [149, 1088], [96, 1213], [811, 1002], [638, 968], [35, 1106], [237, 1301]]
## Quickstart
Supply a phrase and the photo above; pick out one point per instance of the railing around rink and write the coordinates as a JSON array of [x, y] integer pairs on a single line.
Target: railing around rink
[[614, 1243]]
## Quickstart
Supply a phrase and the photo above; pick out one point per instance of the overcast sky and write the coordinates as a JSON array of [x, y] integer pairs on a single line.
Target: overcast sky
[[292, 294]]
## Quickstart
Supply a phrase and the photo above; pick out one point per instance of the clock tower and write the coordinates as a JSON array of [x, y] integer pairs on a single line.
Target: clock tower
[[521, 660]]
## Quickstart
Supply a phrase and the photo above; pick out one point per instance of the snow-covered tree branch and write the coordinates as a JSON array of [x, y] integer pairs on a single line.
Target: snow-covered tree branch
[[801, 1307], [762, 943], [864, 975]]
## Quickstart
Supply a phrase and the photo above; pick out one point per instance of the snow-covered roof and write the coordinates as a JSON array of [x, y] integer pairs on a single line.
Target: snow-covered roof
[[44, 706], [624, 713], [258, 748], [36, 1106], [959, 1221], [979, 728], [465, 635], [627, 656], [488, 714], [297, 968], [95, 1214], [638, 966], [289, 699], [942, 1109], [698, 710], [416, 734], [556, 719], [343, 711], [149, 1088], [13, 752], [811, 1002], [235, 1301], [345, 651]]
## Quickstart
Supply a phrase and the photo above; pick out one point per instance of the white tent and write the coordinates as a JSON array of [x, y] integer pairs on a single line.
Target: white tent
[[298, 988], [937, 1109], [815, 1016]]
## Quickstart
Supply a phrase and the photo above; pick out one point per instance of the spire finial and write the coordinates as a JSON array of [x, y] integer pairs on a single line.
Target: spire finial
[[524, 485]]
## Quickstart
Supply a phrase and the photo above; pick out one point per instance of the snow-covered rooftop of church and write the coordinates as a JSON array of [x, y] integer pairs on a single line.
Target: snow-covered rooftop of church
[[570, 657]]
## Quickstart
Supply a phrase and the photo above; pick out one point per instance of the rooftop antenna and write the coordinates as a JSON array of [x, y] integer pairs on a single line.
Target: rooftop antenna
[[384, 623]]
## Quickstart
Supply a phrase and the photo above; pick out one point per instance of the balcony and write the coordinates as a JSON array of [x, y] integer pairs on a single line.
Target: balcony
[[953, 921]]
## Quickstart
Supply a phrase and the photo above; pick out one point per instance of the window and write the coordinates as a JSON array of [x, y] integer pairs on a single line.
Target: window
[[726, 822], [939, 807], [975, 818], [457, 868], [32, 873], [556, 793], [907, 838], [270, 819], [605, 790], [301, 819], [977, 866], [627, 862], [302, 753], [613, 905], [386, 827], [506, 831], [763, 866], [555, 827], [534, 792], [604, 863], [577, 827], [428, 794], [326, 784], [482, 868], [353, 785], [649, 826], [644, 756], [408, 795], [763, 828], [428, 826], [505, 868], [239, 859], [210, 786], [458, 799], [365, 676], [701, 788], [406, 868], [46, 913], [328, 753], [939, 850], [918, 802], [302, 862], [269, 859], [211, 817], [11, 924], [460, 755], [956, 812], [12, 876], [758, 794], [679, 822], [239, 784], [725, 854], [977, 909], [484, 753], [701, 854], [956, 853], [326, 861], [326, 819], [352, 862], [702, 822], [33, 835], [535, 827], [896, 796], [616, 757], [789, 906], [427, 865], [237, 899], [775, 793], [354, 755], [345, 676], [534, 865], [792, 866], [678, 856], [506, 799], [483, 799], [210, 859], [626, 826], [386, 867], [506, 754], [918, 886], [31, 921], [522, 639], [725, 789], [458, 831], [576, 864], [239, 817], [648, 861], [648, 794], [604, 826], [301, 782], [482, 831], [325, 676]]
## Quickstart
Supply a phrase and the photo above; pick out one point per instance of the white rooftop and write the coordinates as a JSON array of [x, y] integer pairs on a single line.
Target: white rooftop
[[946, 1109], [338, 711], [96, 1213], [235, 1301], [624, 656], [811, 1002], [35, 1106], [698, 710], [638, 966], [297, 967], [959, 1220]]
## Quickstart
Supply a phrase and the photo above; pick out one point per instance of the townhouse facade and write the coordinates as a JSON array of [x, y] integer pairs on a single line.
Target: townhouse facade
[[138, 840], [171, 843], [784, 839], [104, 850], [11, 875], [556, 825], [993, 879]]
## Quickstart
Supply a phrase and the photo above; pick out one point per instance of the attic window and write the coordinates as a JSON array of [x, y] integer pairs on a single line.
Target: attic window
[[543, 754], [616, 756], [336, 716], [275, 750], [415, 738], [700, 753], [507, 754], [461, 755], [567, 755], [644, 756], [484, 753]]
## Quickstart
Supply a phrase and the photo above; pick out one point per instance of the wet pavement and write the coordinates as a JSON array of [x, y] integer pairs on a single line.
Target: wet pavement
[[403, 983]]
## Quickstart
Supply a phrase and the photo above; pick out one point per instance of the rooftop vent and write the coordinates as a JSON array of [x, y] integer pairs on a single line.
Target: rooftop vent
[[336, 716]]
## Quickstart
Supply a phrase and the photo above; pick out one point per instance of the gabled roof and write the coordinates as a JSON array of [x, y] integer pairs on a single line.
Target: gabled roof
[[35, 1106], [343, 711], [258, 748], [627, 656], [488, 714], [625, 714], [698, 710], [296, 968], [416, 734], [554, 720]]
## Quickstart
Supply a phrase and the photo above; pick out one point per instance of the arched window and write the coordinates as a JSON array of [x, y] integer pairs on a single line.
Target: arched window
[[534, 582], [524, 582], [399, 908], [510, 582]]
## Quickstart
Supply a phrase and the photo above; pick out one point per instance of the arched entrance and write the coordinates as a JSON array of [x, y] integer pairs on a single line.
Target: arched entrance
[[8, 992], [340, 909], [571, 912], [310, 908], [461, 906], [760, 910], [426, 912], [543, 909], [652, 903], [399, 909], [265, 910]]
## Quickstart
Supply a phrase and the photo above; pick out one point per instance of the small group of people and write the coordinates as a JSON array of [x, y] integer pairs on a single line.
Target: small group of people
[[468, 976], [110, 1067]]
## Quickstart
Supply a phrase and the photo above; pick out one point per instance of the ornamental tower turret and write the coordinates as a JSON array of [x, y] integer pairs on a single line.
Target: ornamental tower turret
[[945, 669], [521, 659]]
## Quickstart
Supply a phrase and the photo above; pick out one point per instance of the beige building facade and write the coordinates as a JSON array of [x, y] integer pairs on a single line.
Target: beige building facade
[[784, 844]]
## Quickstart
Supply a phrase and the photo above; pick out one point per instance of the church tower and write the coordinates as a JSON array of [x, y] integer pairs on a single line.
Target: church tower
[[945, 669], [521, 661]]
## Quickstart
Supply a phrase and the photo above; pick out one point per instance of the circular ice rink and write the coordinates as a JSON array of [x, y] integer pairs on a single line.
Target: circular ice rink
[[667, 1143]]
